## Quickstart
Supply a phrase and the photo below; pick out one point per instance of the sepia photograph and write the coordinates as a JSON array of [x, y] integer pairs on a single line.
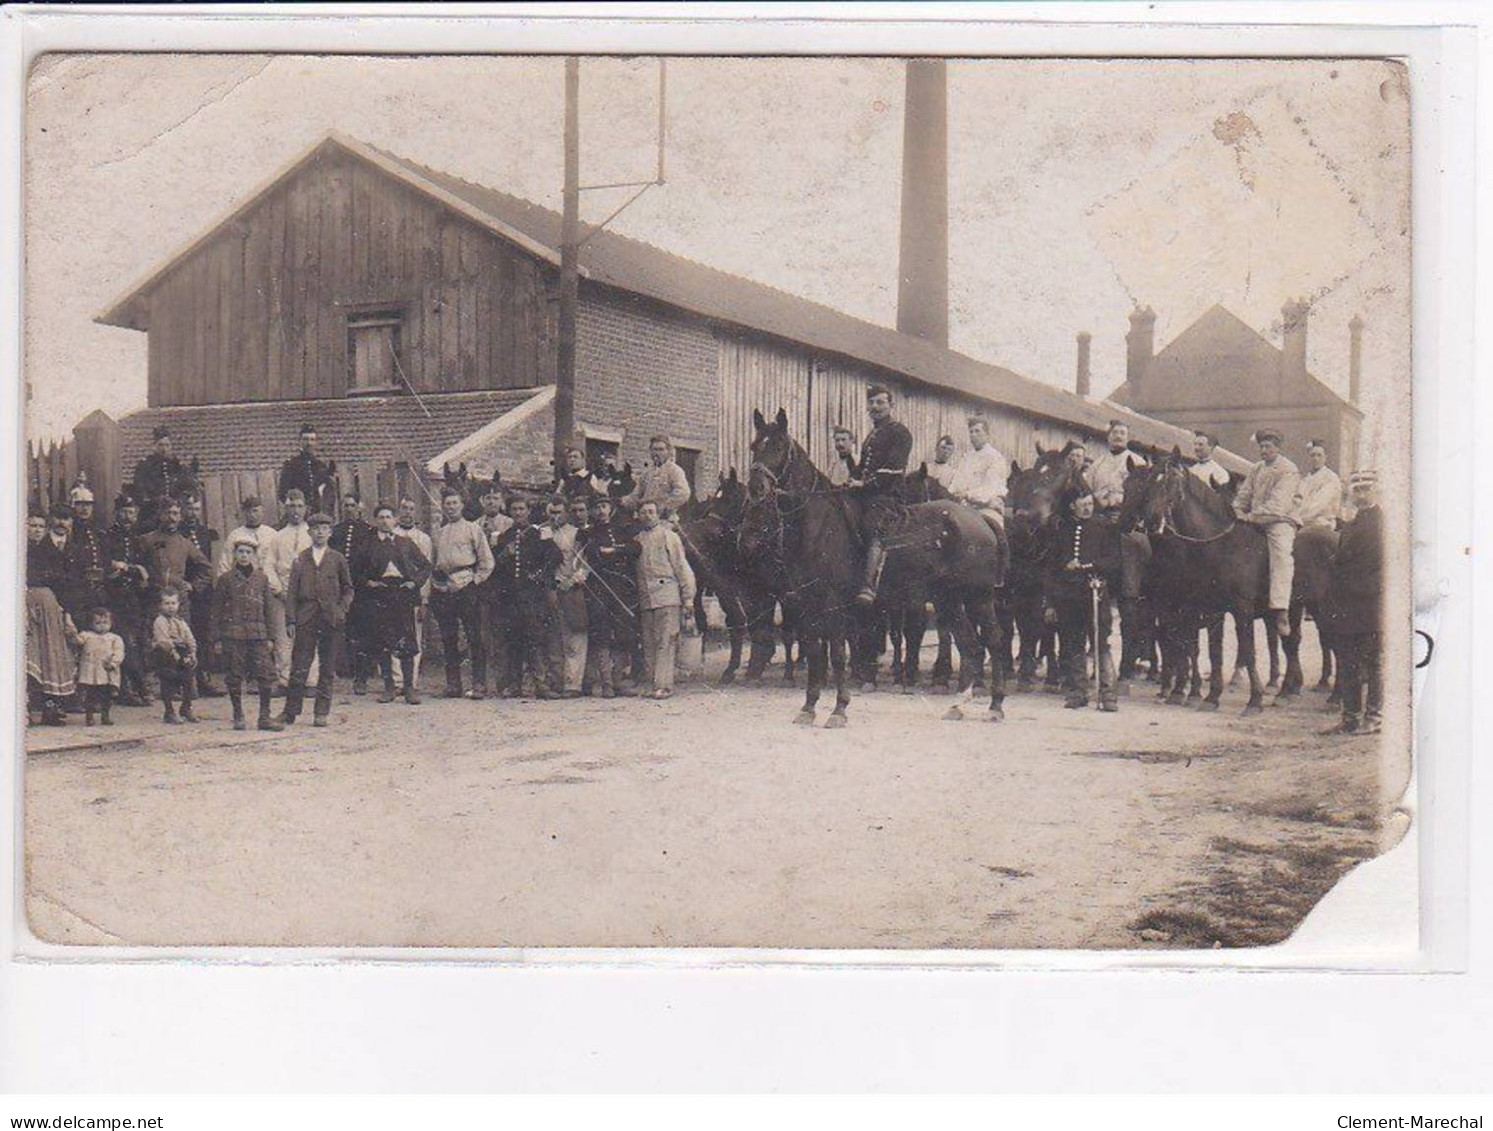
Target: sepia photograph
[[841, 503]]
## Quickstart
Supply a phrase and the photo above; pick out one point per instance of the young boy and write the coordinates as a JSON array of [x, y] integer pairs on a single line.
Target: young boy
[[666, 587], [241, 630], [100, 658], [174, 649], [318, 597]]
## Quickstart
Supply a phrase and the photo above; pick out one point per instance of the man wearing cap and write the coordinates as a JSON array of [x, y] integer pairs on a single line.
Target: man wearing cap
[[1107, 474], [1319, 499], [882, 467], [255, 529], [306, 472], [318, 598], [1267, 499], [157, 475], [664, 482], [1204, 466], [842, 462], [1355, 599], [286, 545], [125, 588], [461, 561], [388, 572], [194, 526], [1089, 554], [174, 561], [347, 536], [86, 559]]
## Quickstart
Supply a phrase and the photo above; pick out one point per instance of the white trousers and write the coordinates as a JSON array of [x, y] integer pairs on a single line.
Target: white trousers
[[1280, 537]]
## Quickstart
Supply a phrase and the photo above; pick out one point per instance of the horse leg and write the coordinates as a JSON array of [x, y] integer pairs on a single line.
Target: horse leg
[[1272, 644], [736, 624], [896, 627], [1244, 627], [914, 627], [813, 642], [1005, 620], [988, 621], [1290, 687], [1324, 640], [1215, 663], [969, 655], [837, 649], [1194, 662]]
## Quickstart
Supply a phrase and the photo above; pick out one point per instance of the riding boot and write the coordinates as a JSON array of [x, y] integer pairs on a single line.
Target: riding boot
[[266, 720], [411, 693], [386, 668], [236, 697], [875, 560]]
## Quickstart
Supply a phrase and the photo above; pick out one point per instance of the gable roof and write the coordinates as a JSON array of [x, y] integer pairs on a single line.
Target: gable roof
[[610, 259], [1219, 341], [251, 436]]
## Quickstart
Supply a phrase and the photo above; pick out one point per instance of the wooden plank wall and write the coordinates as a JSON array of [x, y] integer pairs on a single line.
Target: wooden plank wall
[[259, 312], [51, 468], [223, 492]]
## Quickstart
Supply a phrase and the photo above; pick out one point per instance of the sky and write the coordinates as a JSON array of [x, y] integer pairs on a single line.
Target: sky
[[1078, 188]]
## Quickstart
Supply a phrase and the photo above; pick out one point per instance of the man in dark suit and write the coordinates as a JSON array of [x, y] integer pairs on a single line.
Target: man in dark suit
[[125, 587], [1355, 598], [1087, 556], [347, 536], [318, 598], [195, 529], [86, 558], [388, 572], [525, 557], [307, 472]]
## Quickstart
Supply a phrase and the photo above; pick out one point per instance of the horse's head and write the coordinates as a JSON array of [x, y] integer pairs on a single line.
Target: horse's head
[[772, 452], [1035, 492], [728, 500], [1159, 493]]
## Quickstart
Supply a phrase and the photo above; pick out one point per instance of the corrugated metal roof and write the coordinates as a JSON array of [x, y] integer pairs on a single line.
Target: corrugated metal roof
[[639, 268], [256, 435]]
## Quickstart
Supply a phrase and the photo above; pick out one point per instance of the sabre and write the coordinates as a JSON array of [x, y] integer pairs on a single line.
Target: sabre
[[1094, 584]]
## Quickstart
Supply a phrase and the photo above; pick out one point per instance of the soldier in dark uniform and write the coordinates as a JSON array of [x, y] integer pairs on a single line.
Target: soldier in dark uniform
[[85, 559], [347, 536], [157, 475], [195, 529], [1087, 554], [525, 559], [125, 588], [1355, 597], [388, 572], [883, 463], [611, 596], [315, 477]]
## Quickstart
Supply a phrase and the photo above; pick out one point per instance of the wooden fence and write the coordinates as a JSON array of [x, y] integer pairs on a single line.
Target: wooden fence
[[51, 469], [223, 492]]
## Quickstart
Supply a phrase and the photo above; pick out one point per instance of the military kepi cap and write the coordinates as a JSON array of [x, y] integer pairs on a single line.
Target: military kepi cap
[[160, 432], [320, 518]]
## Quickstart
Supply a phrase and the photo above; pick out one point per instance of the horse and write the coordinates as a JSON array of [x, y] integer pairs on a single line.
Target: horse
[[1314, 551], [470, 488], [795, 516], [1226, 566], [709, 532]]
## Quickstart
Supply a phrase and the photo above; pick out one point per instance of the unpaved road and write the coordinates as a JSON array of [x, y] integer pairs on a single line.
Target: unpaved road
[[707, 820]]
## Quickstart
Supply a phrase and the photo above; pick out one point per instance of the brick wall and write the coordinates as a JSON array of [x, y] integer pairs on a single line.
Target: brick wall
[[522, 454], [645, 369]]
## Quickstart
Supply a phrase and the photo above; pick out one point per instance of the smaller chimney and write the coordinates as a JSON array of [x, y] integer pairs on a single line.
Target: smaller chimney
[[1081, 382], [1355, 358], [1140, 346], [1293, 341]]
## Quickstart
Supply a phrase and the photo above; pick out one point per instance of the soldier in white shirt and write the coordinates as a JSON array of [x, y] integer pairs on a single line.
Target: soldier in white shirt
[[979, 478], [1106, 475], [1319, 499], [1267, 499], [842, 463], [943, 467], [285, 546], [1208, 469]]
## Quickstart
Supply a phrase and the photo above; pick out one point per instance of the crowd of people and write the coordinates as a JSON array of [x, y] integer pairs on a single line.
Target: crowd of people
[[549, 596], [573, 593]]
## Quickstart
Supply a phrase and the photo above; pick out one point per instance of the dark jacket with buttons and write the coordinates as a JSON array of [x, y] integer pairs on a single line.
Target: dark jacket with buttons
[[241, 606], [524, 562]]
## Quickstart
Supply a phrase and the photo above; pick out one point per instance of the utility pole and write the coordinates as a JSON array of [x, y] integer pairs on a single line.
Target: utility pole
[[569, 267]]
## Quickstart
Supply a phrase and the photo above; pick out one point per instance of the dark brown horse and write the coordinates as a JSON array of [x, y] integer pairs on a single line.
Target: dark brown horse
[[1314, 550], [1226, 565], [1034, 496], [797, 518]]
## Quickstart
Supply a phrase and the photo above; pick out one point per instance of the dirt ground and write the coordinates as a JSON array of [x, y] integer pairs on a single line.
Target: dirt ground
[[706, 820]]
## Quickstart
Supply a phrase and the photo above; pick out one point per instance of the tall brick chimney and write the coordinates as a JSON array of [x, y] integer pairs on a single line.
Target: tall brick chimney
[[1293, 341], [1082, 381], [1355, 358], [923, 266], [1140, 346]]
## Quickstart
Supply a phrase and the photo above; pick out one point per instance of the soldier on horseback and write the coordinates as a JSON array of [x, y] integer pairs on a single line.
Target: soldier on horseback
[[1319, 499], [1267, 500], [883, 462], [1204, 466]]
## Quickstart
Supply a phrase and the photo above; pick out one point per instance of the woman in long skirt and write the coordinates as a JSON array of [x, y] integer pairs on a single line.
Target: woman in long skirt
[[51, 671]]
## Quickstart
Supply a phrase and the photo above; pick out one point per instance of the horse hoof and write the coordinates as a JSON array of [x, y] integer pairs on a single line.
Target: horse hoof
[[996, 715], [868, 688], [1176, 701], [727, 678], [1208, 705], [1286, 693], [789, 681], [909, 689], [1194, 699], [1323, 685], [1271, 682], [953, 715], [804, 719], [1025, 686], [1252, 709], [835, 722]]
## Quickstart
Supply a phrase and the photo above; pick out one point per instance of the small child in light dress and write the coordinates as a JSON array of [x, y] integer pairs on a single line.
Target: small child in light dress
[[175, 652], [100, 657]]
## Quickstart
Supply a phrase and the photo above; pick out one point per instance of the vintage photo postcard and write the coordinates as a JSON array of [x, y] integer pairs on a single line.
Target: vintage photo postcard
[[889, 504]]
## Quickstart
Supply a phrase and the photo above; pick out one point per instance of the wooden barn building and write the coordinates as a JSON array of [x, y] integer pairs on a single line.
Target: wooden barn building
[[1223, 376], [411, 317]]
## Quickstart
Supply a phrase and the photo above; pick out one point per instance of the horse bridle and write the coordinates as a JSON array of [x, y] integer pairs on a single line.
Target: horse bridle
[[1167, 521]]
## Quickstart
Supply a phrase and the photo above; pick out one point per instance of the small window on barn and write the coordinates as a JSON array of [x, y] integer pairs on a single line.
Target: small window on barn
[[373, 351]]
